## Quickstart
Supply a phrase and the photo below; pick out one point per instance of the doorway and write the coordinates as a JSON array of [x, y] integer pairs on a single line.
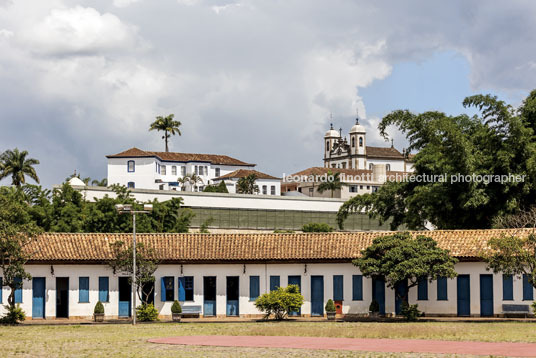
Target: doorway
[[317, 295], [38, 297], [62, 297], [401, 290], [486, 295], [125, 296], [233, 295], [464, 295], [209, 296], [378, 292], [295, 280]]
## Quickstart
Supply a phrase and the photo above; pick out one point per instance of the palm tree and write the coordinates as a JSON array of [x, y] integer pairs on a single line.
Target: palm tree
[[168, 125], [102, 182], [330, 184], [246, 185], [190, 179], [14, 163]]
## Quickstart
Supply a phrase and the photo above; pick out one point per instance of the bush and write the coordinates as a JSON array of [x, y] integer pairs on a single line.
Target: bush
[[317, 227], [14, 315], [374, 306], [220, 188], [411, 312], [176, 307], [330, 306], [99, 308], [280, 302], [146, 313]]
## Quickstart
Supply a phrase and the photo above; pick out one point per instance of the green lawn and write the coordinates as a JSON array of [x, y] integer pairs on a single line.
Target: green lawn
[[127, 341]]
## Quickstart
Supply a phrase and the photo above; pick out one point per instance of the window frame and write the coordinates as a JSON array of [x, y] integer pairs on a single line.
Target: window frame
[[357, 282], [251, 288], [187, 284], [442, 281], [101, 279], [83, 290], [133, 162], [164, 294], [422, 289]]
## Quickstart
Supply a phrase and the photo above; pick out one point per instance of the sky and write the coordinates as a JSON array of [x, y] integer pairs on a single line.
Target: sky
[[256, 80]]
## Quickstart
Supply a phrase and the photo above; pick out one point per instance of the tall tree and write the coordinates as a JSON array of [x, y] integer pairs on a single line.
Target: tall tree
[[497, 143], [14, 163], [168, 125], [16, 232], [102, 182], [246, 185], [333, 183]]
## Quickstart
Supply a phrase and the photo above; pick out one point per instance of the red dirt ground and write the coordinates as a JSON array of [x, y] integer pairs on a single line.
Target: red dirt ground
[[356, 344]]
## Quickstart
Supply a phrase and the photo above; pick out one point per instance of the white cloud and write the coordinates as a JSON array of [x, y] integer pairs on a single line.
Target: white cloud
[[124, 3]]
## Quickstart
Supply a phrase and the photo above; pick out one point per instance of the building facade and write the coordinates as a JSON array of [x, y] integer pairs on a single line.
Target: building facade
[[266, 184], [224, 274]]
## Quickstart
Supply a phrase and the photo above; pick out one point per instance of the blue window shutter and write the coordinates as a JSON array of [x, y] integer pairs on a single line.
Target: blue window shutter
[[104, 289], [83, 289], [274, 283], [18, 291], [528, 290], [163, 290], [422, 289], [508, 288], [338, 288], [357, 287], [253, 287], [182, 291], [442, 294]]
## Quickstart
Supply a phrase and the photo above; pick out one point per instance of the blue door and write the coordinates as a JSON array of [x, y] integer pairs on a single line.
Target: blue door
[[38, 297], [125, 296], [232, 296], [486, 295], [464, 295], [378, 292], [401, 290], [317, 295], [209, 296], [295, 280]]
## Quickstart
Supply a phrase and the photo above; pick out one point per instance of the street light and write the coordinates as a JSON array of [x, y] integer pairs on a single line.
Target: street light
[[127, 209]]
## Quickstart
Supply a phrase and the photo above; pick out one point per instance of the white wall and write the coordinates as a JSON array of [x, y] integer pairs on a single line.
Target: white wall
[[431, 307]]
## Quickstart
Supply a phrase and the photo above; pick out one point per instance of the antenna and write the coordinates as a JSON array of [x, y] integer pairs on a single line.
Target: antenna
[[392, 143], [356, 116]]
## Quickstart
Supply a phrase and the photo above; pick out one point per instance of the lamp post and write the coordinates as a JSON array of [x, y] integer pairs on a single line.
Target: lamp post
[[127, 209]]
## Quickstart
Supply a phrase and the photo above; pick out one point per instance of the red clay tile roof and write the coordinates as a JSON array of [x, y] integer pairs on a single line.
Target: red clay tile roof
[[242, 173], [67, 247], [181, 157], [383, 152]]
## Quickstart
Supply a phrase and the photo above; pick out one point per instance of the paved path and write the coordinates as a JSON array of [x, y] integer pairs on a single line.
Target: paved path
[[359, 344]]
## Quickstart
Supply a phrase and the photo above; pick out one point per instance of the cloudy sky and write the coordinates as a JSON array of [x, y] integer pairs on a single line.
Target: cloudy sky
[[256, 80]]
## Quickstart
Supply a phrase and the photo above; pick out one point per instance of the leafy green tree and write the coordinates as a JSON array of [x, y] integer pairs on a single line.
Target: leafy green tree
[[317, 227], [499, 142], [16, 231], [403, 258], [168, 125], [102, 182], [246, 185], [331, 185], [67, 208], [220, 188], [146, 265], [280, 302], [15, 164]]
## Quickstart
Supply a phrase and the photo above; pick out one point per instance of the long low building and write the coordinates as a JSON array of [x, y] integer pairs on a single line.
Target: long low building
[[222, 274]]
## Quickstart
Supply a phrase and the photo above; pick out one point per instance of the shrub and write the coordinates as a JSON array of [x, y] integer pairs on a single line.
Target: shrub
[[411, 312], [317, 227], [330, 306], [176, 307], [99, 308], [280, 302], [374, 306], [14, 315], [146, 313]]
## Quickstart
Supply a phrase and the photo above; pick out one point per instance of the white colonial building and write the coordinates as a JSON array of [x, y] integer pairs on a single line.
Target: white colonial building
[[352, 152], [267, 184], [136, 168], [222, 275]]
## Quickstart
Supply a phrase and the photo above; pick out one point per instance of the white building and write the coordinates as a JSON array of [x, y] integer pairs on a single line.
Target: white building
[[352, 152], [135, 168], [267, 184], [221, 275]]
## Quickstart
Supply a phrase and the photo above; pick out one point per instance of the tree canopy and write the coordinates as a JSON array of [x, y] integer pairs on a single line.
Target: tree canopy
[[499, 141], [246, 185], [15, 164], [331, 185], [168, 125]]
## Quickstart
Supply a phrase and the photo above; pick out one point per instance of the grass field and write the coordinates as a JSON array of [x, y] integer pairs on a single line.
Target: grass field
[[127, 341]]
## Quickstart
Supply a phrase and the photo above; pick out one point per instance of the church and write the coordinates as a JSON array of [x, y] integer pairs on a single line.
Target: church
[[353, 153]]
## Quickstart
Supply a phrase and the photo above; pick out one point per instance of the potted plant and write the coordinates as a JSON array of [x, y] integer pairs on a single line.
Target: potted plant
[[176, 311], [374, 309], [330, 310], [98, 312]]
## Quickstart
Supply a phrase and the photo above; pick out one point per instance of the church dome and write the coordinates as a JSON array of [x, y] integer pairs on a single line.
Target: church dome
[[332, 133], [76, 181], [357, 128]]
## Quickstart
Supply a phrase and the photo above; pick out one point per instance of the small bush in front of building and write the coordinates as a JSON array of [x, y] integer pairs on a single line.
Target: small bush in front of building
[[176, 307], [14, 315], [330, 306], [99, 308], [410, 312], [147, 313], [317, 227], [374, 307], [280, 302]]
